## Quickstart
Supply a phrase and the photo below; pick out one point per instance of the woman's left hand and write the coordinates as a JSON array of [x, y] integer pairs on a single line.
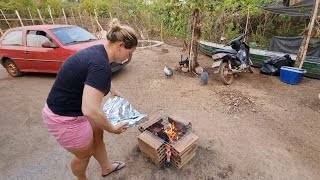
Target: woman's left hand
[[117, 93]]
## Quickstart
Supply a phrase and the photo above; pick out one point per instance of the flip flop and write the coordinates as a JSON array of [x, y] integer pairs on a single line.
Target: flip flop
[[115, 169]]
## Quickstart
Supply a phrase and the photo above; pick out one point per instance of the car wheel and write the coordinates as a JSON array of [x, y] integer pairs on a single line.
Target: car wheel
[[12, 68]]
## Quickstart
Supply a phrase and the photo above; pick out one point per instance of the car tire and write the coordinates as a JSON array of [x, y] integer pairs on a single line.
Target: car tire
[[12, 68]]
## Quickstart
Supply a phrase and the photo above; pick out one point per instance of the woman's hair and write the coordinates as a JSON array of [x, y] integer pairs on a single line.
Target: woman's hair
[[122, 33]]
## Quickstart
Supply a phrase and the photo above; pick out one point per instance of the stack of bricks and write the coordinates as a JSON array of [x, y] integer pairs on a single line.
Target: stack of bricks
[[153, 147]]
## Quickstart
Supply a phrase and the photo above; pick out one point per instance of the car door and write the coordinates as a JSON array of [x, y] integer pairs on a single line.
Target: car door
[[12, 47], [44, 59]]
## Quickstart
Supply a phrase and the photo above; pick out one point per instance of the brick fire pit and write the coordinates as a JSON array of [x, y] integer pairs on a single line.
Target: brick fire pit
[[167, 140]]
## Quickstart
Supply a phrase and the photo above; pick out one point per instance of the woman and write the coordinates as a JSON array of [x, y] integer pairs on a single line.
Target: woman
[[73, 112]]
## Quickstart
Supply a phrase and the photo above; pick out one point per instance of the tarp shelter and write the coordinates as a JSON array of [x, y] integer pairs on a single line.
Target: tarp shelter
[[292, 44], [303, 8]]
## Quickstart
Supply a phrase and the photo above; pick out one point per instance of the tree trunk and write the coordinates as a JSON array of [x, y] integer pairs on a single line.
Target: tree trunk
[[196, 34]]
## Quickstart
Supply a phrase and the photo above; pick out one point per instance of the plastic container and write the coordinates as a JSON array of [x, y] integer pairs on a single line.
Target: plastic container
[[291, 75]]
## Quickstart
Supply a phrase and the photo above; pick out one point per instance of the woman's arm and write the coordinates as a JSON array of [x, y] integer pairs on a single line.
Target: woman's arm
[[114, 92], [91, 108]]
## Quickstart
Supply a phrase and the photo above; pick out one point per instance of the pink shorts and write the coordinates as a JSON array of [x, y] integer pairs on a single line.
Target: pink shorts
[[70, 132]]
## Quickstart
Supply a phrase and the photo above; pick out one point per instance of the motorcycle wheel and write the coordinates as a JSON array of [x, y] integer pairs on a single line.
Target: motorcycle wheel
[[225, 74]]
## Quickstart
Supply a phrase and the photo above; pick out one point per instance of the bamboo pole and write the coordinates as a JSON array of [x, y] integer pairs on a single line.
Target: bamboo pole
[[49, 9], [40, 16], [92, 23], [80, 17], [17, 13], [96, 18], [5, 18], [247, 24], [64, 15], [30, 16], [305, 43], [74, 20]]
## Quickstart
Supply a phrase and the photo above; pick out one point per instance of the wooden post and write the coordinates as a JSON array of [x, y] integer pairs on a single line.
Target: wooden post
[[19, 18], [49, 9], [64, 15], [1, 32], [96, 18], [74, 20], [161, 35], [80, 18], [40, 16], [305, 43], [196, 33], [30, 16], [5, 18], [247, 23], [93, 29]]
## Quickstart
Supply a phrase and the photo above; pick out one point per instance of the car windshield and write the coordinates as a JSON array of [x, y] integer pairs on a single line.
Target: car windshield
[[73, 35]]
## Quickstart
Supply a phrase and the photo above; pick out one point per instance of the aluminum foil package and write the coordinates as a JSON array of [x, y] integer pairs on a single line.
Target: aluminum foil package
[[118, 109]]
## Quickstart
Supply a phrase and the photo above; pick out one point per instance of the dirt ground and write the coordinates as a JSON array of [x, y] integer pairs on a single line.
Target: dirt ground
[[257, 128]]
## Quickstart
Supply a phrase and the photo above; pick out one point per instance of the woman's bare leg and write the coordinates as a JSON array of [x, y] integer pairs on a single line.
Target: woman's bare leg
[[79, 162], [100, 152]]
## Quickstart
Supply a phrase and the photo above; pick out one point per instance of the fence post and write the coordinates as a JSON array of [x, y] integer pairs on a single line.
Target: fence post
[[49, 9], [19, 18], [30, 16], [40, 16], [92, 24], [5, 18], [74, 20], [96, 18], [64, 15], [80, 18]]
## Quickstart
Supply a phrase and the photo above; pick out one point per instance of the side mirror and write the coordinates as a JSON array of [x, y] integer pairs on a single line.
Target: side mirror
[[49, 44]]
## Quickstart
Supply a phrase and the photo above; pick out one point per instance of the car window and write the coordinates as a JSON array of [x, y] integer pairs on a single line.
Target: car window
[[72, 35], [13, 38], [37, 38]]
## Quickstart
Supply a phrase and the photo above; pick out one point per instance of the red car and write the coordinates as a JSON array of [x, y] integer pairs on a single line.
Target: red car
[[44, 48]]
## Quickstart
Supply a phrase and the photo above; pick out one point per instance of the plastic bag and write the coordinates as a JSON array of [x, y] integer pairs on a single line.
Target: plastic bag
[[118, 109]]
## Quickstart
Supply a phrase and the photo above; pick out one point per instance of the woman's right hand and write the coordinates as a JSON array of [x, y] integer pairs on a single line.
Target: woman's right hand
[[120, 128]]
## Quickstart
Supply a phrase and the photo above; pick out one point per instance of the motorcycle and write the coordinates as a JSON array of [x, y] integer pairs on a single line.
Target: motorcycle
[[233, 61]]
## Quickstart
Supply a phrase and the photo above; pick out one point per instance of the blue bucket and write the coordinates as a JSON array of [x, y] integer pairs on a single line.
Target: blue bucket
[[291, 75]]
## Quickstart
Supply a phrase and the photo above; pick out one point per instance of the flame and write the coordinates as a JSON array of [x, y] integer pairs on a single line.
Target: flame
[[173, 132]]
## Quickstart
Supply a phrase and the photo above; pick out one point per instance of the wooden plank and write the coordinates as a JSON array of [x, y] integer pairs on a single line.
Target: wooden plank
[[181, 145]]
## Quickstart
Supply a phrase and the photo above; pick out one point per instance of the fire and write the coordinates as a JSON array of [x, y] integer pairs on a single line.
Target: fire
[[173, 132]]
